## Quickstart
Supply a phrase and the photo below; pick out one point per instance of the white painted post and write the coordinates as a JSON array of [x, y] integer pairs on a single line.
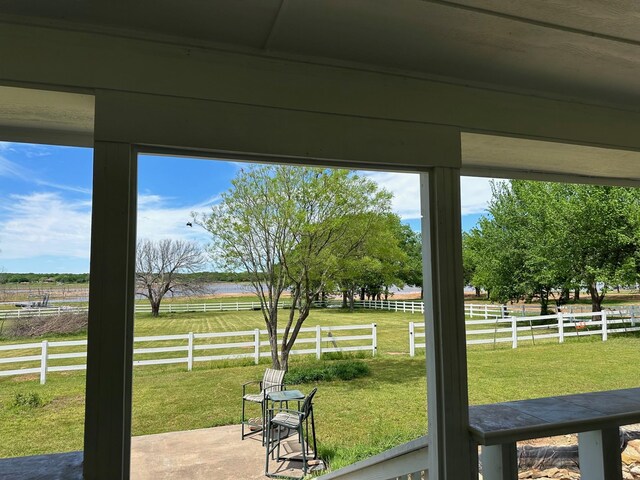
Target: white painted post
[[413, 307], [560, 328], [471, 311], [633, 315], [412, 345], [170, 308], [318, 342], [486, 312], [396, 304], [256, 351], [204, 307], [190, 353], [43, 362], [374, 340], [599, 454], [514, 332], [604, 326]]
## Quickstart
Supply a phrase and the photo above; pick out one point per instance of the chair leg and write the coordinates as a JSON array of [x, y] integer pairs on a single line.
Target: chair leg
[[313, 431], [242, 421], [266, 465], [304, 455]]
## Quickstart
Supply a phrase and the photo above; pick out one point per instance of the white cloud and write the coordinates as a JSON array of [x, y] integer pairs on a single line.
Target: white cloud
[[475, 192], [44, 224], [157, 219]]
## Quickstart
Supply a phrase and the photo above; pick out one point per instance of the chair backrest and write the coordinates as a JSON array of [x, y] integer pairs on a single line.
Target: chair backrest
[[307, 406], [272, 380]]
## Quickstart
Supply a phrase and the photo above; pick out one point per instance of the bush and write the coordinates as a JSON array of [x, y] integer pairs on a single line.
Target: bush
[[64, 324], [324, 372], [28, 400]]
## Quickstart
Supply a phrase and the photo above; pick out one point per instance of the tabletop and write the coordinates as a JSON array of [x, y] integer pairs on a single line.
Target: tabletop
[[525, 419], [286, 395]]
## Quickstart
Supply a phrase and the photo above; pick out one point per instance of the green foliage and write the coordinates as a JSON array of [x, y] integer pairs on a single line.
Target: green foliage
[[27, 400], [291, 228], [323, 371], [540, 239], [45, 277]]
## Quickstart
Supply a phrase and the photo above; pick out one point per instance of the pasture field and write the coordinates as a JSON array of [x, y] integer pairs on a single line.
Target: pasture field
[[355, 419]]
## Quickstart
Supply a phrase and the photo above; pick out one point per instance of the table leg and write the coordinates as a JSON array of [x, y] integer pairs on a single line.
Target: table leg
[[599, 454], [500, 462]]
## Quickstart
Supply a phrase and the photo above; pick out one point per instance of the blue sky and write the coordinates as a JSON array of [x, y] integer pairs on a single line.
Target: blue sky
[[45, 202]]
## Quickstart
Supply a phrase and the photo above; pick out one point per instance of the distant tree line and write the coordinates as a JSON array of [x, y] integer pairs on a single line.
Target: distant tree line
[[44, 278], [548, 241]]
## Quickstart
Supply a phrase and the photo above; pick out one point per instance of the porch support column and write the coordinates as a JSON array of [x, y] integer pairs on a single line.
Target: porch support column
[[107, 439], [450, 451], [599, 454]]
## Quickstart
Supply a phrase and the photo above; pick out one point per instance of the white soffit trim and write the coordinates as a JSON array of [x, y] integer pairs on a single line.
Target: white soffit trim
[[508, 157], [43, 116]]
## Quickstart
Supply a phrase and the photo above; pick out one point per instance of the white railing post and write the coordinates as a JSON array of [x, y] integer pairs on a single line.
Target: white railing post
[[486, 312], [374, 340], [514, 332], [471, 311], [633, 315], [318, 342], [396, 304], [603, 315], [560, 328], [413, 307], [43, 362], [256, 351], [412, 346], [190, 353]]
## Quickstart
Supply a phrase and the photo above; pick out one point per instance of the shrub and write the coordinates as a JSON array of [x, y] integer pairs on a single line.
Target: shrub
[[324, 372], [63, 324], [28, 400]]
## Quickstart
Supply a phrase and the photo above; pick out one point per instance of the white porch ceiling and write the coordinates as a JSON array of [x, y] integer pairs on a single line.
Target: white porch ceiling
[[580, 49], [583, 50]]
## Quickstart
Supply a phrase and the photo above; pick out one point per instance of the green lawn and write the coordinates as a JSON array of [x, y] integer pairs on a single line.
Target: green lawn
[[354, 419]]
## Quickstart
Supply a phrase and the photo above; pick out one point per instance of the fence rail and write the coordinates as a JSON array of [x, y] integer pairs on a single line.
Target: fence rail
[[192, 347], [515, 330]]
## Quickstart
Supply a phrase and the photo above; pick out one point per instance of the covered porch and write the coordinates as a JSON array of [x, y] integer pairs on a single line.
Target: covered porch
[[540, 90]]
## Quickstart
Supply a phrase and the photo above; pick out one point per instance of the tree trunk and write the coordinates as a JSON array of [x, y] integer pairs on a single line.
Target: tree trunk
[[155, 309], [284, 360], [576, 294], [477, 291], [362, 293], [544, 302], [351, 300], [344, 298], [273, 343], [596, 298]]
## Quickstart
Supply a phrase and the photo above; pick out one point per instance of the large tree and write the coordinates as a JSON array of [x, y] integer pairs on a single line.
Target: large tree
[[289, 228], [160, 266], [542, 239]]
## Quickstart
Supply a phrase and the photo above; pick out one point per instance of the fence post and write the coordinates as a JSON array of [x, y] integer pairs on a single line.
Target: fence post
[[43, 362], [412, 346], [486, 312], [256, 351], [514, 332], [374, 340], [318, 342], [471, 310], [604, 326], [413, 307], [190, 353], [396, 304], [560, 328]]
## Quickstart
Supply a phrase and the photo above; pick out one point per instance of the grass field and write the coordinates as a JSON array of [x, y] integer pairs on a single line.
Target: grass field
[[355, 419]]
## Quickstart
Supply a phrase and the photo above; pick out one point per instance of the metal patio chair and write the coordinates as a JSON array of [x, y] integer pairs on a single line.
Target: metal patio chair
[[273, 381], [281, 420]]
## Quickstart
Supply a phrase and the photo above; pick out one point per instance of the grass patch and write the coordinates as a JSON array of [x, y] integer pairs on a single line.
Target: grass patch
[[27, 400], [323, 371]]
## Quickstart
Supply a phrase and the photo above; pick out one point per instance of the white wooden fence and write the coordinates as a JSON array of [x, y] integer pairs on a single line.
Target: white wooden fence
[[186, 348], [518, 329]]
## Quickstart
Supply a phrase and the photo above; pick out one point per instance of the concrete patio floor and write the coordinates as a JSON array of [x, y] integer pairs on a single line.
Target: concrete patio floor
[[210, 453]]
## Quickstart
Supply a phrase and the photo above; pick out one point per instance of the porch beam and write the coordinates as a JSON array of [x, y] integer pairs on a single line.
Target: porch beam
[[107, 441], [447, 396]]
